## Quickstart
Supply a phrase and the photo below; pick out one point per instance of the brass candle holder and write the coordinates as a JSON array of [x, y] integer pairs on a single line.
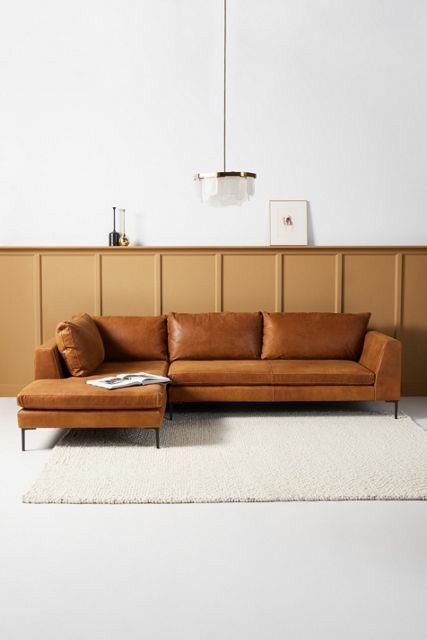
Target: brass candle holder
[[123, 239]]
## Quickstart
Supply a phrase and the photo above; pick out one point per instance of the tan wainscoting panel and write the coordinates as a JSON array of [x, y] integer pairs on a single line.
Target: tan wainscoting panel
[[67, 287], [248, 283], [17, 322], [309, 282], [128, 285], [414, 324], [369, 285], [188, 283]]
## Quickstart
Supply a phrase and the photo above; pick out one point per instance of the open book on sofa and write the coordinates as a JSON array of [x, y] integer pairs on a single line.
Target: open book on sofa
[[128, 380]]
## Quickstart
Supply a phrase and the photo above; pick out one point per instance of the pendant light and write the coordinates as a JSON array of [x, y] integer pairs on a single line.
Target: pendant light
[[224, 188]]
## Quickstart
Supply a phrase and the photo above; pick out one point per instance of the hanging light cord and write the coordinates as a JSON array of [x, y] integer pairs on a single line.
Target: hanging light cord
[[225, 81]]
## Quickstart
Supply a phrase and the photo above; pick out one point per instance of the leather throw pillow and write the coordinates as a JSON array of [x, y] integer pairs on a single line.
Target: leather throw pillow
[[80, 344]]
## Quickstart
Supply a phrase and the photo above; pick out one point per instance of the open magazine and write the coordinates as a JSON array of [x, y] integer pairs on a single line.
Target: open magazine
[[128, 380]]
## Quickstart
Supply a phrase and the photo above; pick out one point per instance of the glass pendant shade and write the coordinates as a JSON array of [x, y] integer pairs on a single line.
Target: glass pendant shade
[[225, 188]]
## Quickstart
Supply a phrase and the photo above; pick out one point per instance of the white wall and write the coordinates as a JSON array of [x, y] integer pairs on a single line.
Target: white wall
[[119, 102]]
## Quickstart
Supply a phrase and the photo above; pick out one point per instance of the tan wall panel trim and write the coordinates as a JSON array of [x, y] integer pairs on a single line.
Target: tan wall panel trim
[[98, 285], [158, 284], [398, 284], [217, 249], [338, 283], [278, 263], [219, 300], [38, 323]]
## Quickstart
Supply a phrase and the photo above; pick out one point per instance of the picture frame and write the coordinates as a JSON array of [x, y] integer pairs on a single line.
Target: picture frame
[[288, 222]]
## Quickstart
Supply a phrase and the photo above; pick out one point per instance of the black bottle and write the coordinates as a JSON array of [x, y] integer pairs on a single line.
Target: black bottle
[[114, 237]]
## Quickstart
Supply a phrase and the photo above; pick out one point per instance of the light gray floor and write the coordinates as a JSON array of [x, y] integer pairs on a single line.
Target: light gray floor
[[267, 571]]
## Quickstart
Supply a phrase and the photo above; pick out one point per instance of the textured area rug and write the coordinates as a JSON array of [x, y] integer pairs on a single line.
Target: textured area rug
[[248, 457]]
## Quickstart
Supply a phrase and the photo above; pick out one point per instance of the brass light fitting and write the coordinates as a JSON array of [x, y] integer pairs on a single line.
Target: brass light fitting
[[224, 188]]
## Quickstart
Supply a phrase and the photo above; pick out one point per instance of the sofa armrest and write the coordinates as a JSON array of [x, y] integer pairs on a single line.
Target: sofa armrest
[[47, 361], [382, 355]]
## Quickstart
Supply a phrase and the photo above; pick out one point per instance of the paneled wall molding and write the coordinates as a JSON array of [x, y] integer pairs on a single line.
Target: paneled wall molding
[[218, 282], [42, 285], [338, 283], [278, 301], [398, 295]]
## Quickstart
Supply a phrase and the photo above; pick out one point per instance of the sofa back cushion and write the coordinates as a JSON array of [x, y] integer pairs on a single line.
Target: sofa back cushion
[[80, 344], [214, 336], [133, 337], [314, 336]]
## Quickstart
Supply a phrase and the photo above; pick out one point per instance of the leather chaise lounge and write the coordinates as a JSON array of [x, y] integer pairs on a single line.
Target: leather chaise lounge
[[209, 357]]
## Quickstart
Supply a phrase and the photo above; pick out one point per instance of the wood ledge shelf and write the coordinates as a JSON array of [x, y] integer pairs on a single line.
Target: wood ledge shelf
[[221, 249]]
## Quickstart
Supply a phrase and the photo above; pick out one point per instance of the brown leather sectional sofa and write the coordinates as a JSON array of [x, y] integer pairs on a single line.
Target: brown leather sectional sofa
[[210, 357]]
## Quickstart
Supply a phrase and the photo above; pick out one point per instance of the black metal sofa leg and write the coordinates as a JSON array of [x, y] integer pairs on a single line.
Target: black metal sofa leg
[[169, 404], [157, 438], [23, 437], [396, 407]]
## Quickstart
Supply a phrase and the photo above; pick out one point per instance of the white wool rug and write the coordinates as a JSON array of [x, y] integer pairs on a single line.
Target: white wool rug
[[245, 457]]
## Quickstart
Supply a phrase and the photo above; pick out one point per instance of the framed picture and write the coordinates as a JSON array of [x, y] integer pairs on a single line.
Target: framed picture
[[288, 222]]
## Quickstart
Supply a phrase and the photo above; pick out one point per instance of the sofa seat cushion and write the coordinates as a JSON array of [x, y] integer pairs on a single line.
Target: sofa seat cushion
[[158, 367], [320, 372], [74, 394], [267, 372], [220, 372]]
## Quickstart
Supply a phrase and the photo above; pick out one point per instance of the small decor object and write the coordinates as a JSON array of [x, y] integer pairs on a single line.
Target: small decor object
[[123, 239], [288, 222], [113, 238], [224, 188]]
